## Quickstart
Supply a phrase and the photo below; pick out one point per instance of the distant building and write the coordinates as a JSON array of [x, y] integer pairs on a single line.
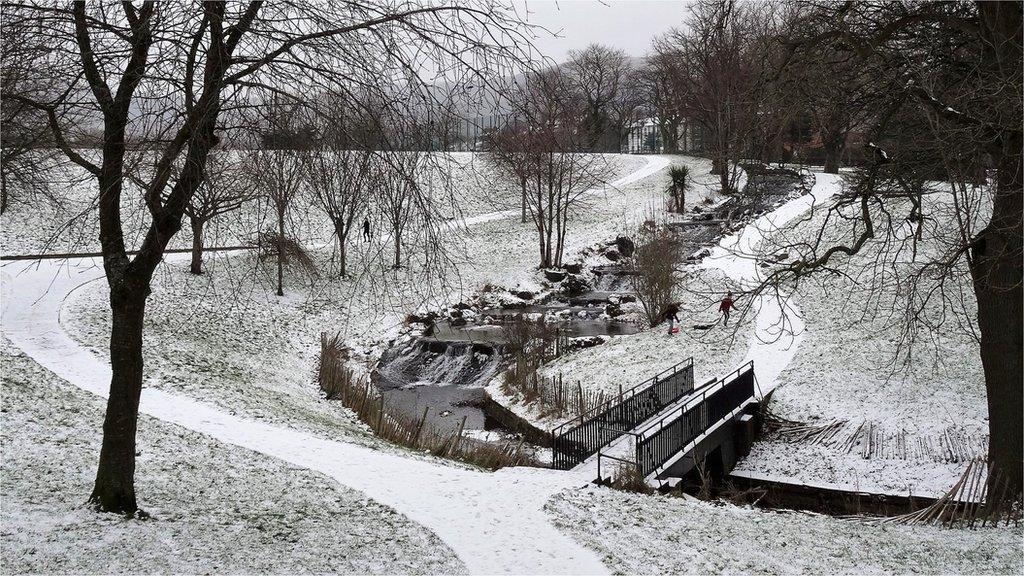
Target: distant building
[[643, 136]]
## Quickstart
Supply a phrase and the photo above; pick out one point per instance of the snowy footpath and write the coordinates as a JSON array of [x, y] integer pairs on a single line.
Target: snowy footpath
[[494, 522], [778, 324]]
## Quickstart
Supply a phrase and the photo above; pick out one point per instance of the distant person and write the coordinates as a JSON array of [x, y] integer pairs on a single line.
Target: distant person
[[727, 305], [366, 229], [672, 315]]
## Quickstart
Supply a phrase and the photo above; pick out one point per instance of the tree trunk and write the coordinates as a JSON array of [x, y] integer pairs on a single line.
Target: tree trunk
[[996, 266], [3, 191], [522, 182], [998, 275], [114, 490], [341, 233], [724, 174], [398, 247], [833, 154], [280, 252], [197, 246]]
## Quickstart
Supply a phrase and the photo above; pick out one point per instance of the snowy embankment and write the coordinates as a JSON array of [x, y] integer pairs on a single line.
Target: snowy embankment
[[492, 522], [637, 534], [215, 509], [901, 428], [778, 328]]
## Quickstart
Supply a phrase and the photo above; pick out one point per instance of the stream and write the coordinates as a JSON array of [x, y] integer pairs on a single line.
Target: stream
[[445, 369]]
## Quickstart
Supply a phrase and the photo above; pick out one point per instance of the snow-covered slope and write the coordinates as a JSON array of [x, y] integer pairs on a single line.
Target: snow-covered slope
[[214, 508], [638, 534]]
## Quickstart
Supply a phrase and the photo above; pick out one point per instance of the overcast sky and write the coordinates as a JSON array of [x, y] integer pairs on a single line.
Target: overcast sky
[[625, 24]]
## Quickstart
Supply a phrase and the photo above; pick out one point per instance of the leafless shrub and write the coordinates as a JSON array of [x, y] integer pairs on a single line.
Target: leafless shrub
[[290, 252], [741, 497], [707, 483], [628, 479], [654, 265]]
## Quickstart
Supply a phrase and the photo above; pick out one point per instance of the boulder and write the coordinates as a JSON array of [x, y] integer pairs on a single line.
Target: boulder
[[554, 275], [525, 294], [625, 246], [427, 318], [575, 284], [574, 268], [585, 342], [613, 255]]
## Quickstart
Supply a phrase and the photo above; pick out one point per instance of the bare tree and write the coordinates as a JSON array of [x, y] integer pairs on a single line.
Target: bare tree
[[602, 78], [508, 151], [160, 74], [224, 188], [654, 267], [656, 82], [276, 169], [27, 159], [398, 192], [946, 104], [546, 151], [719, 62], [340, 181]]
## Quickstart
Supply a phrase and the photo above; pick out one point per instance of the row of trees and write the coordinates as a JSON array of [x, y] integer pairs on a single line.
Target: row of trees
[[933, 92], [169, 79]]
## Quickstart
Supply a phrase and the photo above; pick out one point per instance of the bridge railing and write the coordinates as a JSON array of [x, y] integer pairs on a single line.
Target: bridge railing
[[706, 407], [575, 440]]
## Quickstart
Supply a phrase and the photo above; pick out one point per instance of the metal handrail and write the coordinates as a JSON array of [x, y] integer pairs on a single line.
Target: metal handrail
[[582, 418], [616, 458], [574, 441], [686, 403], [691, 403]]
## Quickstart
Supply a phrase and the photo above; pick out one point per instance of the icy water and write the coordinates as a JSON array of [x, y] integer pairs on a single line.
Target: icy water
[[573, 327], [446, 370]]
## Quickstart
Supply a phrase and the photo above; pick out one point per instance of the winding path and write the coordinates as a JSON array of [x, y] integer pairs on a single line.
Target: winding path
[[494, 522], [777, 317]]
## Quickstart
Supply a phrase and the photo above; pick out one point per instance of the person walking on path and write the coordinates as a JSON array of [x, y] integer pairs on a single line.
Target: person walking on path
[[727, 305], [366, 229], [672, 315]]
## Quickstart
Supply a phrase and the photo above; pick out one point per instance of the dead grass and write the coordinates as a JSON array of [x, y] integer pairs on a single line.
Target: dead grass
[[628, 479]]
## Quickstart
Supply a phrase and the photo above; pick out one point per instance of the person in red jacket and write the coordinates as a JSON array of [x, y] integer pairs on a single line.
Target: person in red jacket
[[727, 305]]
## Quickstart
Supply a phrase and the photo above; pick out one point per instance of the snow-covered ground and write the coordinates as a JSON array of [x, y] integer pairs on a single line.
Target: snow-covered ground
[[512, 535], [924, 419], [215, 508], [637, 534], [227, 359]]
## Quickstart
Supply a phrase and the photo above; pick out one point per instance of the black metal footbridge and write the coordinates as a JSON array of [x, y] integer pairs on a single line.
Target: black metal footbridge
[[667, 418]]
